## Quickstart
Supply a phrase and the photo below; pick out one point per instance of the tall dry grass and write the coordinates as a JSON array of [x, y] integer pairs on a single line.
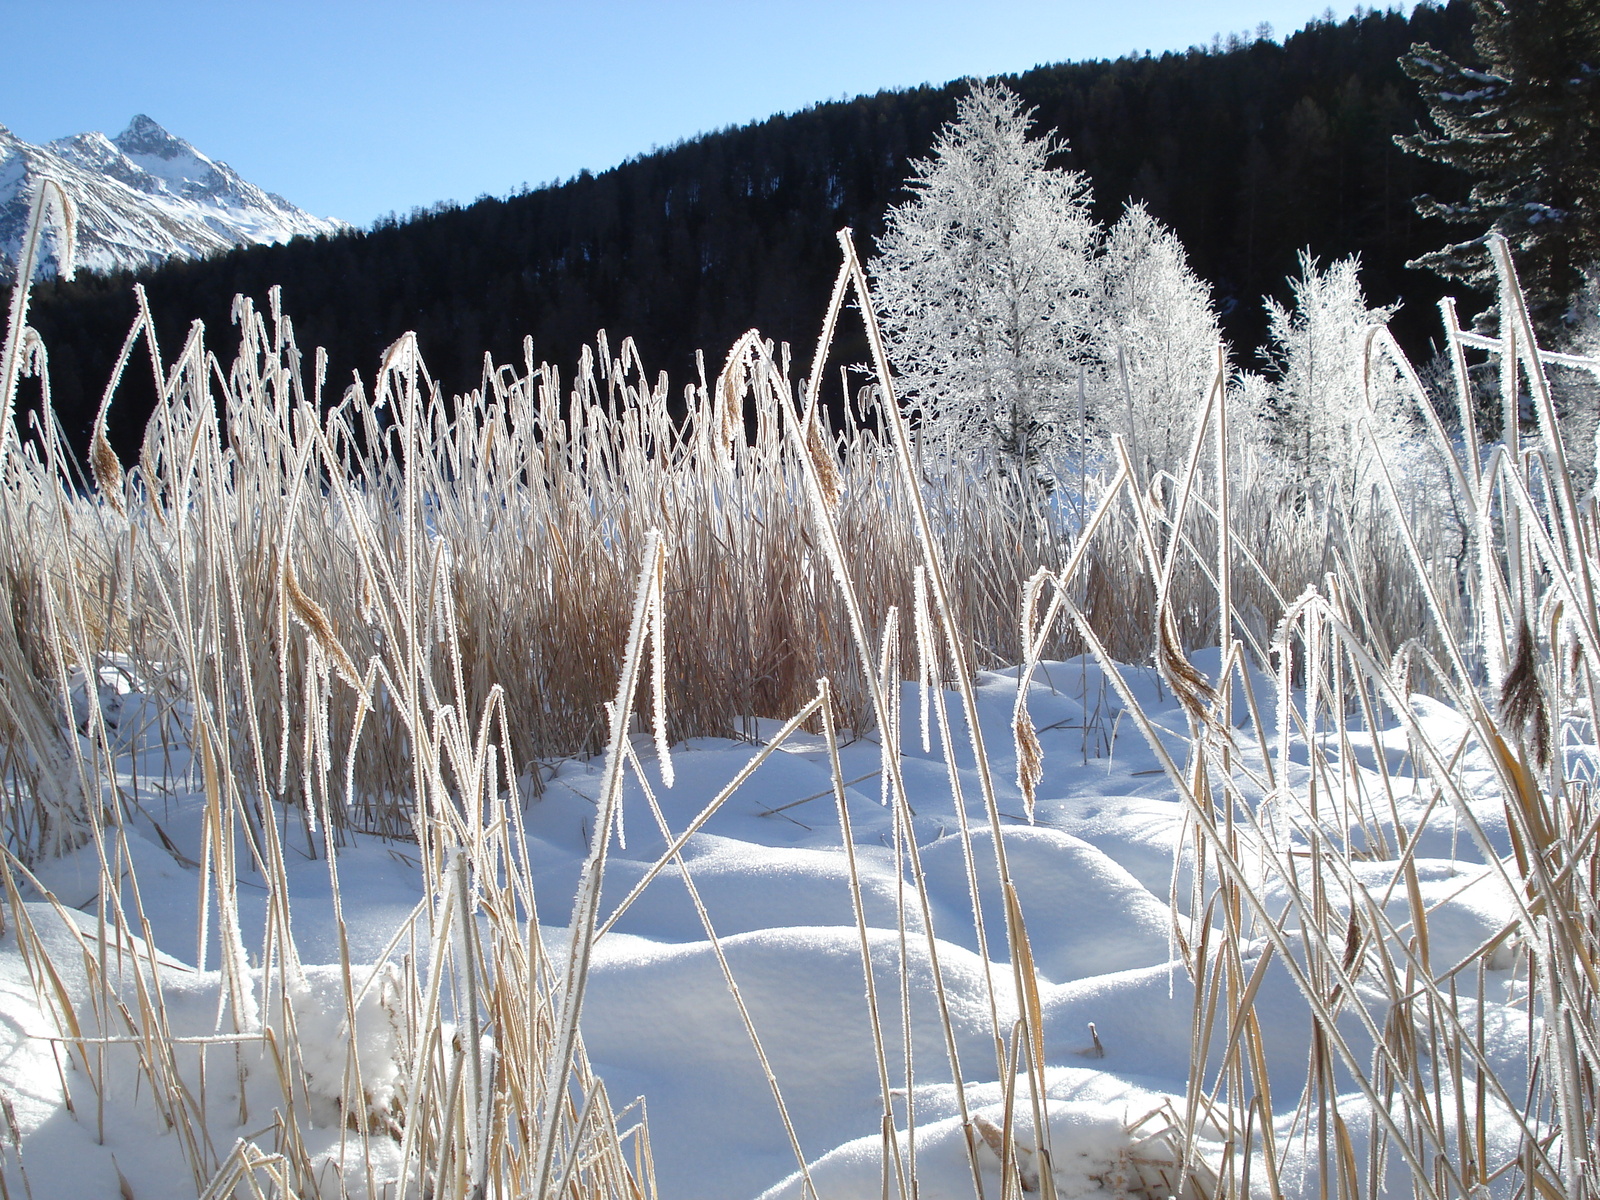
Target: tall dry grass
[[389, 612], [1403, 1093]]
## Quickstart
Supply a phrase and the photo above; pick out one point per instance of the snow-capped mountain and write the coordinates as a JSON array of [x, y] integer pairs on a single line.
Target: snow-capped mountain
[[142, 197]]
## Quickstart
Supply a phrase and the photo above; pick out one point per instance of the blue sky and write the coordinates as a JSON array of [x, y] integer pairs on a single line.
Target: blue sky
[[354, 108]]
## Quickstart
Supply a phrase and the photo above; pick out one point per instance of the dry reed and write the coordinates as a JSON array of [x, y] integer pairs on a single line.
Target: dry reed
[[389, 613]]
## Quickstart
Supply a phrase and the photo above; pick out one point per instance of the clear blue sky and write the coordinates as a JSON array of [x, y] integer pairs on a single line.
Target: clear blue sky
[[354, 108]]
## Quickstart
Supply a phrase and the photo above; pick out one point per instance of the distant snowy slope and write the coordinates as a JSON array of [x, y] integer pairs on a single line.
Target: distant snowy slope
[[142, 197]]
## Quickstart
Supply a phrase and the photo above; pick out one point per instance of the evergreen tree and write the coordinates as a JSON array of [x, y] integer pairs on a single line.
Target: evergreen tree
[[1525, 124], [982, 284]]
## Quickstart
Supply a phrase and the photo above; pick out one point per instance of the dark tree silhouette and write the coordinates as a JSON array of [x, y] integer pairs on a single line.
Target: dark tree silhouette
[[1523, 121]]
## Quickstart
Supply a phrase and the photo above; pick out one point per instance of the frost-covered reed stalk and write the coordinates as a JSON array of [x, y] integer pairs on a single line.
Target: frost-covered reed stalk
[[311, 595], [21, 350], [1432, 1073], [176, 633]]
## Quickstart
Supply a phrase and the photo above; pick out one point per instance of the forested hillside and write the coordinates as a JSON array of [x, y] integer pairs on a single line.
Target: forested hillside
[[1251, 151]]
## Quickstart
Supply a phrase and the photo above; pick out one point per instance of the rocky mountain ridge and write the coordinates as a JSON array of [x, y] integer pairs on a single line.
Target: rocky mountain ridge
[[143, 197]]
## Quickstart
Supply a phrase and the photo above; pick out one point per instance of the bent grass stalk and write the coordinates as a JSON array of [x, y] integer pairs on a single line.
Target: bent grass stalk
[[316, 593]]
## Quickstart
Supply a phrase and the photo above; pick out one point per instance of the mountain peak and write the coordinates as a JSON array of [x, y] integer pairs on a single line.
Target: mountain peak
[[143, 197], [145, 136]]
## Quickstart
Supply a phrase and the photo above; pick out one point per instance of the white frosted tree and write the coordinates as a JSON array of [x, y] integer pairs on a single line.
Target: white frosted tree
[[1324, 387], [1576, 388], [1155, 334], [982, 285]]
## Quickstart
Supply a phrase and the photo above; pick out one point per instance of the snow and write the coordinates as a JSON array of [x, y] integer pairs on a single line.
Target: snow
[[1097, 874], [144, 196], [1086, 1125]]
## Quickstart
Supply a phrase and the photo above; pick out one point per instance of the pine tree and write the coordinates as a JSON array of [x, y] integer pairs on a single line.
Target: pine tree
[[982, 286], [1525, 124]]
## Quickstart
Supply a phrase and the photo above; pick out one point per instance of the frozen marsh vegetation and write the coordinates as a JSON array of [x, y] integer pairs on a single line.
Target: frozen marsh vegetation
[[561, 790]]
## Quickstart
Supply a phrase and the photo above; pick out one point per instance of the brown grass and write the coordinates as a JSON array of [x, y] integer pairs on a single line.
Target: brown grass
[[391, 612]]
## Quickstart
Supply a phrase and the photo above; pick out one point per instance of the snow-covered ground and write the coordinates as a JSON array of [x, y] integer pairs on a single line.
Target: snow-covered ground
[[1096, 872]]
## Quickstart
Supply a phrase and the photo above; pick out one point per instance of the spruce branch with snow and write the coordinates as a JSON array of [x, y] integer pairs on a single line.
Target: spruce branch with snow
[[1524, 123]]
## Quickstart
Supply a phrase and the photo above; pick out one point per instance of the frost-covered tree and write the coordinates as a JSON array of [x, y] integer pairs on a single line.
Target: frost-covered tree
[[982, 286], [1577, 388], [1155, 334], [1325, 387]]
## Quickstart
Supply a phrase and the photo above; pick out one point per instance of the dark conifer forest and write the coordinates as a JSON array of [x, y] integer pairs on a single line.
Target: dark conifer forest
[[1251, 151]]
